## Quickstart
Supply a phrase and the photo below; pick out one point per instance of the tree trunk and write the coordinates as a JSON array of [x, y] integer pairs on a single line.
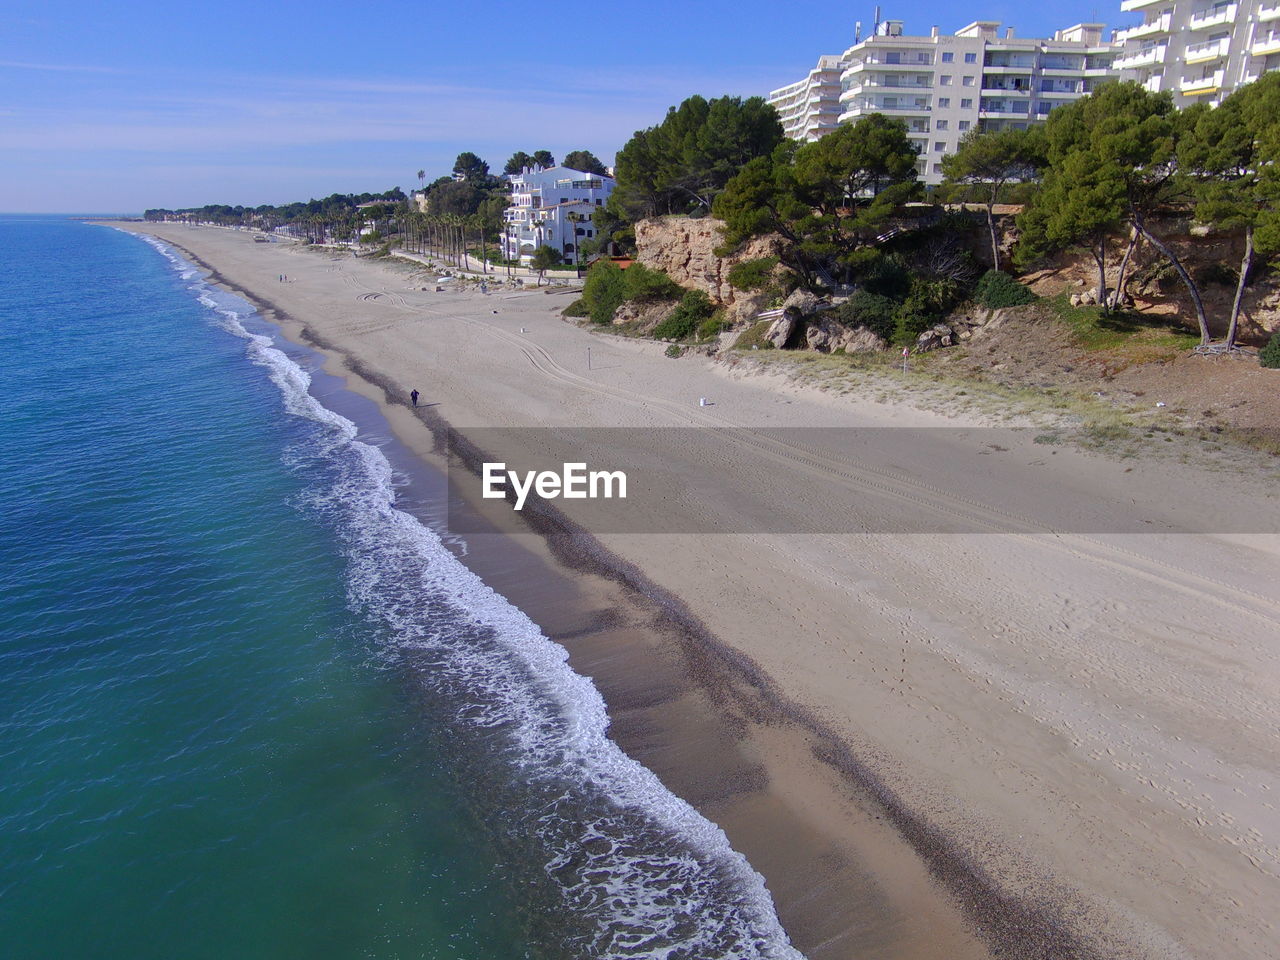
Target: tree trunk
[[1124, 268], [1246, 263], [1168, 254], [1100, 258], [995, 243]]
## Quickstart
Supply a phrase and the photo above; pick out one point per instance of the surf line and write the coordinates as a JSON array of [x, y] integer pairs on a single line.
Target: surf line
[[573, 482]]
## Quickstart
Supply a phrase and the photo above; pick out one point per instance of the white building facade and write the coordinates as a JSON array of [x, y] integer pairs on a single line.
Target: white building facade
[[810, 108], [944, 85], [1200, 50], [553, 207]]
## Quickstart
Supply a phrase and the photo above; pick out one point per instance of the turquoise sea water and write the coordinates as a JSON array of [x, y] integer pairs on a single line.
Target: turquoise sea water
[[248, 707]]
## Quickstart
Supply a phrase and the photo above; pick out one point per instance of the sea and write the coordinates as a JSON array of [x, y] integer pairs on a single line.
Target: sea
[[253, 703]]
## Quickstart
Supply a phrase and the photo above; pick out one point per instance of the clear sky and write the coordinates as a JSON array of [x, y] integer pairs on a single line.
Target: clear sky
[[113, 107]]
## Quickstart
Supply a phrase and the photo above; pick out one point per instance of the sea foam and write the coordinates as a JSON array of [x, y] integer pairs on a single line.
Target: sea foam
[[638, 871]]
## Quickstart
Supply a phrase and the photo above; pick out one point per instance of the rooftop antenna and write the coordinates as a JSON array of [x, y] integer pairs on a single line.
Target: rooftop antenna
[[875, 29], [857, 31]]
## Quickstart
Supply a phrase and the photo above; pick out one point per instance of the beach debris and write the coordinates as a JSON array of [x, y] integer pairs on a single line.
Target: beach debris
[[704, 402], [1160, 403]]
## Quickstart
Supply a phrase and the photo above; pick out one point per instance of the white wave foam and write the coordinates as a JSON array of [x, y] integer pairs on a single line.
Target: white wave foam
[[658, 879]]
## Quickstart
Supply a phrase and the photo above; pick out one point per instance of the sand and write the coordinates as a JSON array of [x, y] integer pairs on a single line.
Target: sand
[[1035, 744]]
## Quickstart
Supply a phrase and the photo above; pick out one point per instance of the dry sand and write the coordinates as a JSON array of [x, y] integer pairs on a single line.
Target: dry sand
[[1068, 742]]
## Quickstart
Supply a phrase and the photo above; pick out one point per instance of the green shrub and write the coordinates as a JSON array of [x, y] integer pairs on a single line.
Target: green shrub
[[695, 307], [753, 336], [1269, 356], [752, 274], [924, 306], [674, 351], [649, 285], [578, 308], [604, 292], [870, 310], [997, 289], [885, 274], [713, 326]]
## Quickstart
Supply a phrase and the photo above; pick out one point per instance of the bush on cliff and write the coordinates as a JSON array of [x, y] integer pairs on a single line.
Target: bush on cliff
[[752, 274], [1269, 356], [647, 285], [695, 308], [997, 289]]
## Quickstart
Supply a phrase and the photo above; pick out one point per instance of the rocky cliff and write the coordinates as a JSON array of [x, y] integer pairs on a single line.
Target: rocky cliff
[[684, 248]]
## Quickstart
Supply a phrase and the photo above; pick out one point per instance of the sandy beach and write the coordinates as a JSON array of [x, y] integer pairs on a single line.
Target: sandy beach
[[948, 736]]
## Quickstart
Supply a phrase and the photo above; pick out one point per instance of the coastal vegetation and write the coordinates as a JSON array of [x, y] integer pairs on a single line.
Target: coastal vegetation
[[1270, 354], [338, 208], [608, 287], [1115, 176], [680, 165]]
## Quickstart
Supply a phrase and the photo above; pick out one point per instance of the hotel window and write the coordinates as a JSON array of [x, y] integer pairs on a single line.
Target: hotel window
[[938, 146], [940, 124], [966, 104], [944, 103], [964, 125], [948, 57], [970, 58], [937, 168], [967, 81], [945, 79]]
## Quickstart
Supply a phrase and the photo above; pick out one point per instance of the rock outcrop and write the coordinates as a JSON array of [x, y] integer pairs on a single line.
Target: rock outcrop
[[684, 249], [782, 330]]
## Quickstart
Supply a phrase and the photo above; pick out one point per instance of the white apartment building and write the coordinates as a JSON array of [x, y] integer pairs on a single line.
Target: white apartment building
[[810, 108], [1200, 50], [552, 207], [942, 85]]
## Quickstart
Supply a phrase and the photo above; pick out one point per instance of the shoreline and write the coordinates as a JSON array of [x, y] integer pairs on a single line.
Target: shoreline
[[571, 558], [732, 675]]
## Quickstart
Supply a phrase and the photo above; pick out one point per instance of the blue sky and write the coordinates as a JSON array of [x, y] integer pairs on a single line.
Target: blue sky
[[113, 107]]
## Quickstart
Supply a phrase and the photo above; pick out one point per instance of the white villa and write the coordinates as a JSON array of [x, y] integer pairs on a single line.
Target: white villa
[[553, 207]]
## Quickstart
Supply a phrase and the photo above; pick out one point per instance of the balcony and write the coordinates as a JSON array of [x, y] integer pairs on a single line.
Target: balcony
[[896, 83], [1146, 29], [1153, 83], [1127, 5], [1204, 52], [902, 63], [892, 109], [1206, 19], [1059, 92], [1264, 46], [1022, 91], [1190, 88], [1270, 10], [1143, 58]]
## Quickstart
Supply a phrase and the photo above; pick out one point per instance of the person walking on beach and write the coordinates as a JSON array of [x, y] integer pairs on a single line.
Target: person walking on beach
[[413, 395]]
